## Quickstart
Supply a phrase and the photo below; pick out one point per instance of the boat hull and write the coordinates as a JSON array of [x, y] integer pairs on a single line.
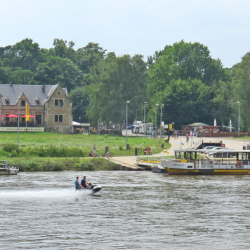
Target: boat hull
[[8, 171], [172, 171]]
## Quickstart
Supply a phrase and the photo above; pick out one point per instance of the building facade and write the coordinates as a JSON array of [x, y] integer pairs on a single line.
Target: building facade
[[204, 129], [49, 107]]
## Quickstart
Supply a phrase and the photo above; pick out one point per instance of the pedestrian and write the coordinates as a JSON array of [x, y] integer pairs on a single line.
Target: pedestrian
[[106, 151], [244, 146], [94, 150], [177, 134], [187, 137]]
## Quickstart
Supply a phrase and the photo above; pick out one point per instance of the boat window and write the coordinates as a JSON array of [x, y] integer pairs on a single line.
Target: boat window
[[177, 155], [182, 155], [245, 156]]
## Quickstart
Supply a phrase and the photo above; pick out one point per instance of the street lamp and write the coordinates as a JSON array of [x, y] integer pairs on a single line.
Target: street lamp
[[239, 120], [127, 124], [144, 117], [161, 121], [155, 122]]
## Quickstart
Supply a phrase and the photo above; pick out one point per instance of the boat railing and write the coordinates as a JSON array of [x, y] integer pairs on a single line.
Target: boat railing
[[224, 164]]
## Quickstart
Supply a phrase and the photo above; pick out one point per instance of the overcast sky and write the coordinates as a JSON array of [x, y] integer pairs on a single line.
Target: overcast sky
[[131, 26]]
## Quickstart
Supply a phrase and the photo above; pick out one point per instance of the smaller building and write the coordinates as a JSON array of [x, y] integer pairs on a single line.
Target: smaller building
[[204, 129]]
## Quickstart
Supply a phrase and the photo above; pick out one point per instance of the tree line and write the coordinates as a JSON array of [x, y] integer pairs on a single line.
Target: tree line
[[184, 77]]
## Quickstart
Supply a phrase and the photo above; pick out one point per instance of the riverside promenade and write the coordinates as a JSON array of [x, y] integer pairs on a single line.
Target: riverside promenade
[[130, 161]]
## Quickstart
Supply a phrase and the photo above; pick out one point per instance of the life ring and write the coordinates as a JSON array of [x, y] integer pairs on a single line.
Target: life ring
[[238, 164]]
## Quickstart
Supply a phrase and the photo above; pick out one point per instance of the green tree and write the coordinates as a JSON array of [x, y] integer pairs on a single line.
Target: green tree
[[89, 56], [79, 99], [242, 90], [20, 76], [188, 63], [59, 70], [114, 81]]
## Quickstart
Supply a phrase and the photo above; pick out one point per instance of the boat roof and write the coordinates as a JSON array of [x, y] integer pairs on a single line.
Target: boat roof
[[208, 151]]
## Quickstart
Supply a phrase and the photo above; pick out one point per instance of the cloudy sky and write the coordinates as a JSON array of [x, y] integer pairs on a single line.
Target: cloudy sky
[[131, 26]]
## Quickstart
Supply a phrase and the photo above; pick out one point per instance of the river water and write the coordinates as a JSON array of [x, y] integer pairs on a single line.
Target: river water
[[134, 210]]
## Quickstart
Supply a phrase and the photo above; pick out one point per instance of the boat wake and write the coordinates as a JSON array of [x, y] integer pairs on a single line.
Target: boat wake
[[54, 193]]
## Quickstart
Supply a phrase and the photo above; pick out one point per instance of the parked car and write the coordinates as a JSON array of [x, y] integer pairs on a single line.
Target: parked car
[[130, 127], [209, 148]]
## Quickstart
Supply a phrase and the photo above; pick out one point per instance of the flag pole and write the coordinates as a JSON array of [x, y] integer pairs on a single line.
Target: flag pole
[[18, 126]]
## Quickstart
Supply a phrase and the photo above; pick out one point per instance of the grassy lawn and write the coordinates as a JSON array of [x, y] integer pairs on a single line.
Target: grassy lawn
[[117, 144]]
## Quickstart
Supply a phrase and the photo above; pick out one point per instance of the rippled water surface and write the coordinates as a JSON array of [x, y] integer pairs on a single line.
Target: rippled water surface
[[134, 210]]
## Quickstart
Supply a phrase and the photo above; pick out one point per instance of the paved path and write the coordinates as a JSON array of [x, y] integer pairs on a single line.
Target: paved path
[[230, 143]]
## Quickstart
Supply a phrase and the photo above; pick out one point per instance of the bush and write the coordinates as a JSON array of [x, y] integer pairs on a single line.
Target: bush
[[9, 147], [83, 166]]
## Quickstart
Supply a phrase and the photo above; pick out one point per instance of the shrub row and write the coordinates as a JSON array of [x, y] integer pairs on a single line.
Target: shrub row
[[35, 164], [12, 150]]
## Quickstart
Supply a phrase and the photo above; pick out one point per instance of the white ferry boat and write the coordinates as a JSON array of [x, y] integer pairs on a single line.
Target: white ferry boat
[[212, 162], [5, 169]]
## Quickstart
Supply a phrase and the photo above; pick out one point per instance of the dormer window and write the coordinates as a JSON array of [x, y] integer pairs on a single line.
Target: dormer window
[[7, 100], [37, 100], [22, 102]]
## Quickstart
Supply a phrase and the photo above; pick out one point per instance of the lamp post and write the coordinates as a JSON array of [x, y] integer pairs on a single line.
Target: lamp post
[[155, 122], [161, 121], [239, 120], [127, 124], [144, 117]]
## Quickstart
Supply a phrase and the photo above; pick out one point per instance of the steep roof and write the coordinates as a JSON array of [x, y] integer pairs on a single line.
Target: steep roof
[[13, 91]]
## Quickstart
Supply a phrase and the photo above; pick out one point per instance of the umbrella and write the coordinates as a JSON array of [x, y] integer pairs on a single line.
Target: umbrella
[[1, 116], [31, 116], [12, 116]]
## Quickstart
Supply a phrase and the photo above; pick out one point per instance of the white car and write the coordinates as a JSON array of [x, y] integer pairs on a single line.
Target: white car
[[209, 148]]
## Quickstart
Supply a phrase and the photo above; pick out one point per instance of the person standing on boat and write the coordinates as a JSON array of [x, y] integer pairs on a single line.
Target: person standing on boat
[[84, 184], [77, 184]]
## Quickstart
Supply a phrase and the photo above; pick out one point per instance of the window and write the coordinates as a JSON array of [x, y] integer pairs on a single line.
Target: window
[[58, 118], [22, 102], [58, 102]]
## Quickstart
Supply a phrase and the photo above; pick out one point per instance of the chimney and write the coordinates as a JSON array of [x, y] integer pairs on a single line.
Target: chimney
[[43, 87]]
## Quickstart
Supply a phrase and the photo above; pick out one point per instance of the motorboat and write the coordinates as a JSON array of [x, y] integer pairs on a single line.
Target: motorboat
[[218, 162], [92, 188], [5, 169]]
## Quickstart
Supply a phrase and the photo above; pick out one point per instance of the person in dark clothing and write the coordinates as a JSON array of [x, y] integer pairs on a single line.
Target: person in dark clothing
[[84, 184]]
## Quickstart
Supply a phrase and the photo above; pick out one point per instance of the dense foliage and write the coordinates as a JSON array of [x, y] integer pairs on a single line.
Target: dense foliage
[[184, 77]]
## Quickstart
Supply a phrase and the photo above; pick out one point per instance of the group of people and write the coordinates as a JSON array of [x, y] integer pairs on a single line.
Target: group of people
[[246, 147], [84, 183], [106, 150]]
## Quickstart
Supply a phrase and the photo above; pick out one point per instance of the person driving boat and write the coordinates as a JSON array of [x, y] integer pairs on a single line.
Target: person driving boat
[[84, 184]]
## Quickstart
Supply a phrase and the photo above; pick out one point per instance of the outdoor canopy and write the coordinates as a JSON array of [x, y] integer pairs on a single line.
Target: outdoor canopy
[[12, 116], [1, 116], [31, 116]]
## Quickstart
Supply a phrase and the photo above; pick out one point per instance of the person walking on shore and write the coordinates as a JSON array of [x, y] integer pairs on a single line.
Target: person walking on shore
[[94, 150]]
